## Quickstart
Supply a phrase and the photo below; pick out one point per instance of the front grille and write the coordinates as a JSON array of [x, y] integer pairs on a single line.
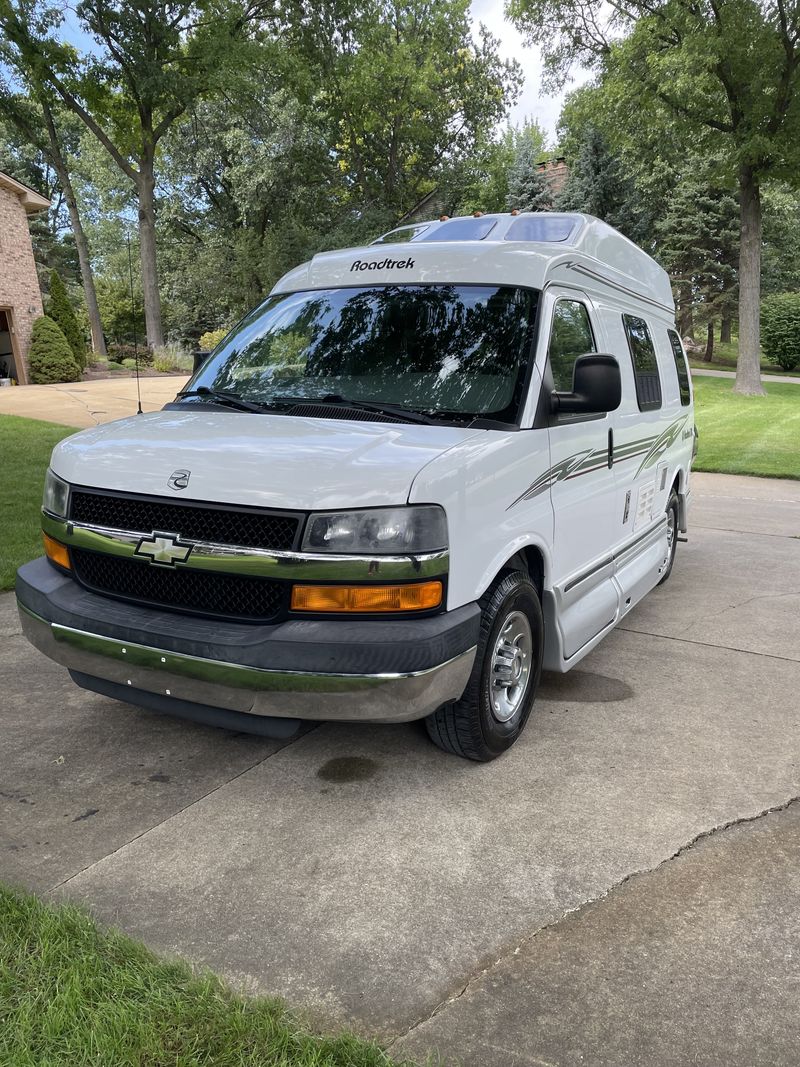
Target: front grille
[[275, 531], [229, 596]]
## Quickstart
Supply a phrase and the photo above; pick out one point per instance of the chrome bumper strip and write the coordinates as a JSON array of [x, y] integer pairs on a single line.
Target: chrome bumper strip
[[298, 566], [256, 691]]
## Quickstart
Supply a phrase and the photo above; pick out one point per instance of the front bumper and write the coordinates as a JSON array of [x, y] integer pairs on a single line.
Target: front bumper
[[370, 671]]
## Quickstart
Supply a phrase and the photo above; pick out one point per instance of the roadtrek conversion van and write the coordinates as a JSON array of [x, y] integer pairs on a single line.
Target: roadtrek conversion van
[[415, 475]]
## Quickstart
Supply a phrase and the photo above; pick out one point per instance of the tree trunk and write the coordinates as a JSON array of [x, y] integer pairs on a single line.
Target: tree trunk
[[82, 245], [725, 330], [147, 250], [708, 355], [748, 367], [685, 316]]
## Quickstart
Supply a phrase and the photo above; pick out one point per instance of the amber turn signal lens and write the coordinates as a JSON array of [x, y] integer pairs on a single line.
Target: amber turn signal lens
[[57, 552], [366, 598]]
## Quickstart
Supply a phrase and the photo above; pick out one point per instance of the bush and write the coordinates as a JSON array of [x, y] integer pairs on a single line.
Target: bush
[[780, 329], [172, 358], [129, 363], [111, 365], [50, 357], [120, 352], [62, 313], [209, 341]]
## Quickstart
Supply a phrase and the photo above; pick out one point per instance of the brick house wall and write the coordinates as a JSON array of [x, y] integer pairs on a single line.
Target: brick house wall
[[19, 283]]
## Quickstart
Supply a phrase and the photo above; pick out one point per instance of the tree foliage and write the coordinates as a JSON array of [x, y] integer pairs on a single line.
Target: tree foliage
[[50, 357], [528, 187], [780, 329], [728, 74], [60, 310]]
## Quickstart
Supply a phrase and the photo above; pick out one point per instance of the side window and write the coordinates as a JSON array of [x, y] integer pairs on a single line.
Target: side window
[[570, 337], [645, 364], [680, 367]]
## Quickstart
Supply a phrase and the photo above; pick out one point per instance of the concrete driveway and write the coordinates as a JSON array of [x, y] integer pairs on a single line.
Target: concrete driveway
[[90, 403], [611, 891]]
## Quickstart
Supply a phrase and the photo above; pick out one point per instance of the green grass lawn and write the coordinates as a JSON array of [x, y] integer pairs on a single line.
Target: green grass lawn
[[748, 435], [725, 357], [25, 447], [73, 994]]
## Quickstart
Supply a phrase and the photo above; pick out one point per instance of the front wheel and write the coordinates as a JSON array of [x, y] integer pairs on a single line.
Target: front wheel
[[499, 695]]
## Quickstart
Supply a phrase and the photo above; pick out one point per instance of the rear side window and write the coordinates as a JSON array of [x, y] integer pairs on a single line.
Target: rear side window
[[570, 337], [681, 368], [645, 364]]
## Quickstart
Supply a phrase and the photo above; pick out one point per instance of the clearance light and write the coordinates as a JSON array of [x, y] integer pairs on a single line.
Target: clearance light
[[57, 552], [367, 598]]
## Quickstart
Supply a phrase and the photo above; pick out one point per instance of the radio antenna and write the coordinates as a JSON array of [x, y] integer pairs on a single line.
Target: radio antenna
[[133, 320]]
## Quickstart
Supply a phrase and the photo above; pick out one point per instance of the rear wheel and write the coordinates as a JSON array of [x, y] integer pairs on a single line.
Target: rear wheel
[[672, 535], [499, 696]]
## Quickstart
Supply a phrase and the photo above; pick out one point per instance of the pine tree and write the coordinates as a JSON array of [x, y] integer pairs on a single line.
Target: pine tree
[[50, 357], [698, 242], [598, 185], [60, 310], [528, 187]]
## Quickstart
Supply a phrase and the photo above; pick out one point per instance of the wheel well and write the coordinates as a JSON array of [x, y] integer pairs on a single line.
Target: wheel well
[[528, 559]]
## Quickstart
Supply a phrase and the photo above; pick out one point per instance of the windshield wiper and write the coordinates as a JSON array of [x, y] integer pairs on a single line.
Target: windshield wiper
[[335, 399], [233, 399]]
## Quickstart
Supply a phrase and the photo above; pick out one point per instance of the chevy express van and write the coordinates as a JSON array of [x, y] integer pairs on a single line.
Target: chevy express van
[[416, 475]]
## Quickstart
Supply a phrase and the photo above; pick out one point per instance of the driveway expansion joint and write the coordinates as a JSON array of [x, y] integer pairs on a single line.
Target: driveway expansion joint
[[478, 975]]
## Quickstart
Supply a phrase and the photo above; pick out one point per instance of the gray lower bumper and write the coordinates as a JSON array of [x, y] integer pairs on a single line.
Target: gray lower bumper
[[386, 697]]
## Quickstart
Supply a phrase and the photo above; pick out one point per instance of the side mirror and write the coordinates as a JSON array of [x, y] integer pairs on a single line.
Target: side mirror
[[596, 387]]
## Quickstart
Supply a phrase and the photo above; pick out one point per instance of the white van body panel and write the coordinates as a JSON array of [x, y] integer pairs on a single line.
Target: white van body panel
[[257, 460]]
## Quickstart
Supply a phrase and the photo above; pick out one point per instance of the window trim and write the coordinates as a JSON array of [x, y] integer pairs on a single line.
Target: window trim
[[679, 357], [647, 405]]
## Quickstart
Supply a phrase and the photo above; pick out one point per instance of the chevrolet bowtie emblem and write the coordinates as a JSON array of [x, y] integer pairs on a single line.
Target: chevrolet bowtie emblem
[[163, 548]]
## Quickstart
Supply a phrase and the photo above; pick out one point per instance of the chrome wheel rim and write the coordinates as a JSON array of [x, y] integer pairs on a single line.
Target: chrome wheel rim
[[671, 531], [512, 659]]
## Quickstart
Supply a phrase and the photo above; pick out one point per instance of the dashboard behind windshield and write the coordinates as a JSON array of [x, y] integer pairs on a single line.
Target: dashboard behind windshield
[[450, 351]]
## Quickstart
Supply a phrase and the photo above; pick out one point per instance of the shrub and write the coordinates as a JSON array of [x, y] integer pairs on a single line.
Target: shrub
[[111, 365], [129, 363], [62, 313], [172, 358], [50, 357], [209, 340], [121, 352], [780, 329]]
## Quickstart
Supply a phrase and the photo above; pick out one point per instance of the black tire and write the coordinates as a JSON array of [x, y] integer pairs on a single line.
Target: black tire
[[672, 535], [469, 727]]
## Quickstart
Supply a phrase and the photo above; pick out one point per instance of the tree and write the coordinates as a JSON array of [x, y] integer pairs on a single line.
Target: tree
[[598, 185], [728, 71], [50, 357], [404, 87], [42, 123], [155, 59], [61, 312], [528, 187], [698, 242]]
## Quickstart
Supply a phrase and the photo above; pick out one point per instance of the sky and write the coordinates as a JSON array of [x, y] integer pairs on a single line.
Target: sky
[[531, 105]]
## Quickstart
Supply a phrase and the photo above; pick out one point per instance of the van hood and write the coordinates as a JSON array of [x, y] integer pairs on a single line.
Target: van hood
[[276, 461]]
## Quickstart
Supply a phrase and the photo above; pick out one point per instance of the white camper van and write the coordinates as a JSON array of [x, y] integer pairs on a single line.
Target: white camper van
[[418, 474]]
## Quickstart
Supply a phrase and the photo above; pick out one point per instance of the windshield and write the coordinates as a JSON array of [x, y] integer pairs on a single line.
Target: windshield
[[456, 351]]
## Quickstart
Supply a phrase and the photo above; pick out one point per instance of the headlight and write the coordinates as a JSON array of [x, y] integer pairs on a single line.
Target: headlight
[[56, 495], [377, 531]]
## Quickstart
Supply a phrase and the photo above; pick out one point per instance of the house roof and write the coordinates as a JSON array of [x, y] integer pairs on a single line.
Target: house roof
[[31, 200]]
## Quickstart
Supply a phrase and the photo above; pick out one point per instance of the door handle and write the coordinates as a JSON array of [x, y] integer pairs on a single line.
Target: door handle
[[610, 449]]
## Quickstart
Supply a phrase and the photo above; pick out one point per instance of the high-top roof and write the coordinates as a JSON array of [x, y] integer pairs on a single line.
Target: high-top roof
[[527, 248]]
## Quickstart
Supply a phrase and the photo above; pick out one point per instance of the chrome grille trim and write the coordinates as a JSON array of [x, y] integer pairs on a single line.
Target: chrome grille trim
[[297, 566]]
